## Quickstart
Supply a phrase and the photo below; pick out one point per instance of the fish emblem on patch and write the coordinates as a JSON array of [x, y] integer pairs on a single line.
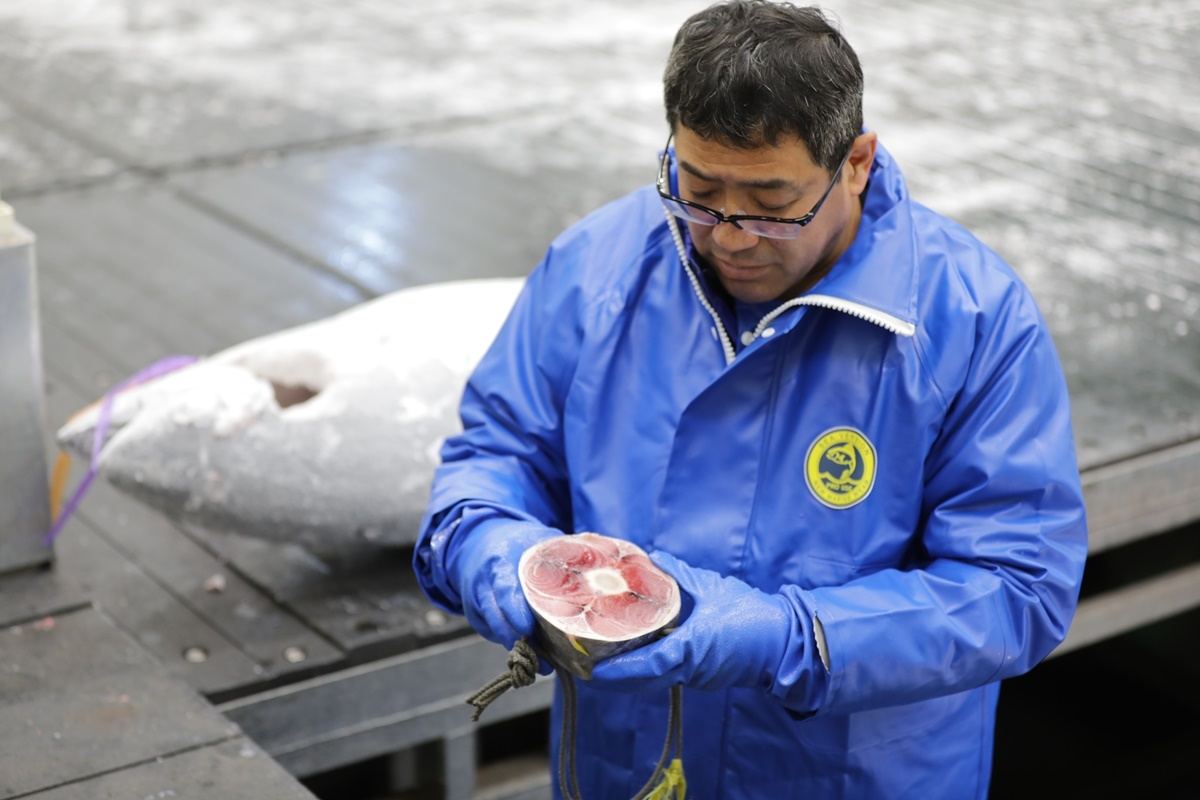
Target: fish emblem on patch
[[840, 467]]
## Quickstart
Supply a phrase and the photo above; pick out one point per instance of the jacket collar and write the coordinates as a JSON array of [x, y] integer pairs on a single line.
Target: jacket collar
[[878, 271]]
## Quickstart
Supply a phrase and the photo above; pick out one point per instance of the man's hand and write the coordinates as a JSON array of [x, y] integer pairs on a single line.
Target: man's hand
[[484, 570], [735, 636]]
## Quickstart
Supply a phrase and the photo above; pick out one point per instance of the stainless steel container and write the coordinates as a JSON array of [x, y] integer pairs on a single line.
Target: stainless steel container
[[24, 503]]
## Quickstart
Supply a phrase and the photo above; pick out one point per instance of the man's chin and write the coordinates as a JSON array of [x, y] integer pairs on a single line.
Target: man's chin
[[752, 291]]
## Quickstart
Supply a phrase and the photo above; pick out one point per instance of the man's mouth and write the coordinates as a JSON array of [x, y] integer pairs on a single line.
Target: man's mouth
[[738, 271]]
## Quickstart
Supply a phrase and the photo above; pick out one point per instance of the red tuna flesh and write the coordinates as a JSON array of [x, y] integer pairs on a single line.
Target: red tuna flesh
[[594, 587]]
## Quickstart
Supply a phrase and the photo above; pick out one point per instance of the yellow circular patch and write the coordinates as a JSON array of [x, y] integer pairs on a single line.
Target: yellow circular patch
[[840, 467]]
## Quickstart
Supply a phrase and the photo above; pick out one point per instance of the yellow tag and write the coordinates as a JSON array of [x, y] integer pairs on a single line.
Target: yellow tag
[[62, 469], [673, 782], [575, 643], [58, 483]]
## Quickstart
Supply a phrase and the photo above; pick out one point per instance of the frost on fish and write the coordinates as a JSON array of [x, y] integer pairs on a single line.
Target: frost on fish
[[595, 596], [319, 433]]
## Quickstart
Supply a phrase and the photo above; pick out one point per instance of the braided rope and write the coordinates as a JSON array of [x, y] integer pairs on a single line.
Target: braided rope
[[667, 776], [522, 671]]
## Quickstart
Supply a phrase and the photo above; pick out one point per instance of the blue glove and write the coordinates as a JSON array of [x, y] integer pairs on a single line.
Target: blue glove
[[482, 566], [736, 635]]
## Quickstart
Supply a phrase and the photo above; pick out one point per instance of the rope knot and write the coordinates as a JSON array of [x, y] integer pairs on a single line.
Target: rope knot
[[522, 664], [522, 671]]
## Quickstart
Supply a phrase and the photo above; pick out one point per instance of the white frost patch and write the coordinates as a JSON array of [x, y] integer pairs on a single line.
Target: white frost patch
[[229, 403], [410, 408], [439, 322], [218, 397]]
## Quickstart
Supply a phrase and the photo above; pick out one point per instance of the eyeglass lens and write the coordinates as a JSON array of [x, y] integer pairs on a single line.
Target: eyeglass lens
[[757, 227]]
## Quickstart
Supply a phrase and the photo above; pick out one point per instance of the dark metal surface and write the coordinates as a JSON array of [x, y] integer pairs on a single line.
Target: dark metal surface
[[29, 595], [534, 788], [231, 770], [380, 707], [79, 689], [1141, 496], [360, 596], [459, 757], [1131, 607], [152, 613], [533, 784], [1121, 297], [386, 217], [132, 275], [186, 121], [263, 630], [169, 83], [35, 157]]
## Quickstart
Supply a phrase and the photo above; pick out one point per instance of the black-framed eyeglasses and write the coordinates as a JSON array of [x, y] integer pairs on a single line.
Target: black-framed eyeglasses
[[758, 225]]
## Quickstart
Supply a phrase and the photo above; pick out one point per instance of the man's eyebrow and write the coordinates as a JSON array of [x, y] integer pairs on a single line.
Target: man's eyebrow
[[769, 183]]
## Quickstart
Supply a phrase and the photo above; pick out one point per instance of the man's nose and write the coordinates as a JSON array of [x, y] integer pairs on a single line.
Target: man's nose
[[731, 238]]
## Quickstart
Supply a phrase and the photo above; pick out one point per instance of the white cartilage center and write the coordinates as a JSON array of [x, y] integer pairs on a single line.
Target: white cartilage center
[[606, 581]]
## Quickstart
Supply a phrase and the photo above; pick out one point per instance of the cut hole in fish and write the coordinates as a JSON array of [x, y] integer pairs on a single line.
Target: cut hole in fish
[[288, 395]]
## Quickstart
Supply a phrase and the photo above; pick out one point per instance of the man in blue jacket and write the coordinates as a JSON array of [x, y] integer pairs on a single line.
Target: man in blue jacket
[[834, 416]]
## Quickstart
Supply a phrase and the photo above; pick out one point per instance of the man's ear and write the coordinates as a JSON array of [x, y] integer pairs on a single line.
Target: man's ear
[[858, 165]]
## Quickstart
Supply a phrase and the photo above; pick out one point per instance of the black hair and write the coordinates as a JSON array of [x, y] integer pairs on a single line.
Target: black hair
[[745, 72]]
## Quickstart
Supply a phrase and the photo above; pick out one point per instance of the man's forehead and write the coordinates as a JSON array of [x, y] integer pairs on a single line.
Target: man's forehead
[[783, 164], [749, 183]]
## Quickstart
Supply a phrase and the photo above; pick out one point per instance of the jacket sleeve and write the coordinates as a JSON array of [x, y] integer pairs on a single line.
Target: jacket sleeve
[[508, 462], [1001, 545]]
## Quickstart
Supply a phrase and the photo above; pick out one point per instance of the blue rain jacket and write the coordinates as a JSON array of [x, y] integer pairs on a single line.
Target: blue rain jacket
[[892, 452]]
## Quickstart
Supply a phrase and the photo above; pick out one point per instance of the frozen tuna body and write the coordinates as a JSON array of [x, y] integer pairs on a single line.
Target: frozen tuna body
[[595, 596], [313, 435]]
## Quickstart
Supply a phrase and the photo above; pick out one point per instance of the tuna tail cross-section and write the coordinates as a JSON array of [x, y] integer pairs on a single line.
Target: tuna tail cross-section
[[595, 596]]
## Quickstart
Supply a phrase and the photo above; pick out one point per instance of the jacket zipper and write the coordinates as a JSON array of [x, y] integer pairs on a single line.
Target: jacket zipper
[[885, 321], [726, 342]]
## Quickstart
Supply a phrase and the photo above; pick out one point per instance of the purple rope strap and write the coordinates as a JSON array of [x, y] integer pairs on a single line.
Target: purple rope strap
[[155, 370]]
